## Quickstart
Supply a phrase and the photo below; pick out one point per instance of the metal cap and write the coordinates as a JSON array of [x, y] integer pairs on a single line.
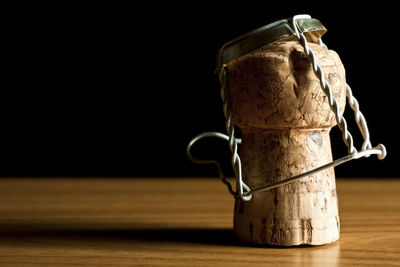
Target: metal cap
[[278, 30]]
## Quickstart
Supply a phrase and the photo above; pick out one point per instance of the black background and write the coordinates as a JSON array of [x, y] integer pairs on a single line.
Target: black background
[[100, 90]]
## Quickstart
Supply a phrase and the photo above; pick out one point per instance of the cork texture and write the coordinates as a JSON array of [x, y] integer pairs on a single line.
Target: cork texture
[[275, 87], [285, 119]]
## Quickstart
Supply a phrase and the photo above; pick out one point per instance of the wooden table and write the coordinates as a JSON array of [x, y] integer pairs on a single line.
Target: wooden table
[[177, 222]]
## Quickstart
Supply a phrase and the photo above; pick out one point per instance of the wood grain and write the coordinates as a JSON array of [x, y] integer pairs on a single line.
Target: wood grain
[[177, 222]]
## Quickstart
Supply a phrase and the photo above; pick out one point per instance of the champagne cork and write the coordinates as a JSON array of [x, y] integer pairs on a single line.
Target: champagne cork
[[285, 120]]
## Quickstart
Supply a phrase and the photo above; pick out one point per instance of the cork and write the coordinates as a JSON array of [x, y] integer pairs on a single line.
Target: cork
[[285, 120]]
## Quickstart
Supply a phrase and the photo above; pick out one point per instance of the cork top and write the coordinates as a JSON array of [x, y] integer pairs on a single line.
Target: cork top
[[275, 87]]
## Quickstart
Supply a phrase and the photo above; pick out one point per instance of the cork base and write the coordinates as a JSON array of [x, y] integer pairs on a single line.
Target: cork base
[[303, 212], [281, 232]]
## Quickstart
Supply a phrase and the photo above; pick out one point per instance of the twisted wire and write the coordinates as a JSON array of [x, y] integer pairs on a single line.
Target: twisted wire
[[326, 88], [233, 143], [360, 119]]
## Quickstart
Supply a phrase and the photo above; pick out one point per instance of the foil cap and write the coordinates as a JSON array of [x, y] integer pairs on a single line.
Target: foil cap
[[278, 30]]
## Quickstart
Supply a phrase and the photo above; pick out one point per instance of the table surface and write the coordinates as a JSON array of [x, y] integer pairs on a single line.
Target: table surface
[[177, 221]]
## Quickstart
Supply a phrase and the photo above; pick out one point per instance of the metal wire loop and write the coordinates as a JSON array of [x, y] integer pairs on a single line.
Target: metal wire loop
[[244, 191]]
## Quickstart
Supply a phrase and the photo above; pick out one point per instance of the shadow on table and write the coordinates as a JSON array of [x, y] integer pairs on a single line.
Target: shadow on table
[[213, 236], [81, 235]]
